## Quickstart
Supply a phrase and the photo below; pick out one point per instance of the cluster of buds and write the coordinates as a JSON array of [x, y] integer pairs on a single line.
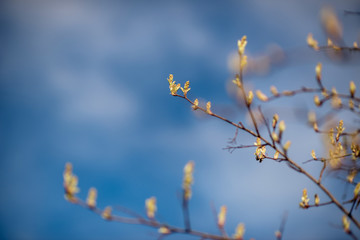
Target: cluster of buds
[[188, 179], [304, 200], [260, 152], [172, 85], [70, 183], [241, 48]]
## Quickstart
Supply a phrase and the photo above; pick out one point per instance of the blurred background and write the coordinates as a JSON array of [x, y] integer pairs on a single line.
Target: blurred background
[[85, 82]]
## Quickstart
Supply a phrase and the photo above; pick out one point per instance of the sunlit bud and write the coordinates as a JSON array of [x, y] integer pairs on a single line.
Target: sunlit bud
[[329, 42], [186, 88], [318, 71], [258, 142], [313, 155], [237, 82], [188, 179], [276, 155], [351, 176], [170, 78], [287, 145], [243, 62], [208, 107], [339, 129], [239, 232], [70, 183], [164, 230], [106, 214], [275, 120], [91, 199], [150, 205], [315, 126], [241, 45], [312, 42], [278, 234], [222, 217], [304, 200], [317, 100], [196, 104], [274, 91], [346, 224], [282, 126], [352, 88], [261, 96], [357, 190], [317, 199], [250, 97], [324, 93], [355, 149], [274, 136], [355, 45]]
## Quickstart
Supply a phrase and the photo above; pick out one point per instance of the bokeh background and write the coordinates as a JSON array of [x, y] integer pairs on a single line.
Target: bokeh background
[[85, 82]]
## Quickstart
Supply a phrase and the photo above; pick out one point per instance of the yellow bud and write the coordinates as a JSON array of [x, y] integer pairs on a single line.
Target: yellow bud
[[91, 199], [106, 214], [346, 224], [150, 205], [170, 78], [164, 230], [312, 42], [287, 145], [317, 100], [357, 190], [317, 200], [282, 126], [355, 45], [186, 88], [351, 176], [208, 107], [276, 155], [274, 136], [261, 96], [313, 154], [222, 217], [274, 91], [241, 45], [196, 104], [318, 71], [352, 89], [275, 120], [243, 62], [239, 232], [329, 42], [315, 126], [250, 97]]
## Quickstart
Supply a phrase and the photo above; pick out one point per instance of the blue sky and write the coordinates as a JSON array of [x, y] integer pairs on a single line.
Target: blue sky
[[85, 82]]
